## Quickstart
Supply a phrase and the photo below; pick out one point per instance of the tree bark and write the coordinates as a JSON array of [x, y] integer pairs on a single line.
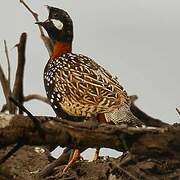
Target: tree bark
[[154, 153], [69, 134]]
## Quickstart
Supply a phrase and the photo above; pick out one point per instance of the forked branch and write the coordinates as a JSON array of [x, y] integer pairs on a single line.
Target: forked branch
[[7, 92]]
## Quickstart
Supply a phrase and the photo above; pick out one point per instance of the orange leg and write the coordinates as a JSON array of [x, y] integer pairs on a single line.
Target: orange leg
[[96, 155], [75, 157], [101, 119]]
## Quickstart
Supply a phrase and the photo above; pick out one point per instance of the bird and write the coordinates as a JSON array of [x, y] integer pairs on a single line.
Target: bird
[[77, 86]]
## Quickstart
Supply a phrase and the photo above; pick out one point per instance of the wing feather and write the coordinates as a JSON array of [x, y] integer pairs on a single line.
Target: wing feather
[[84, 82]]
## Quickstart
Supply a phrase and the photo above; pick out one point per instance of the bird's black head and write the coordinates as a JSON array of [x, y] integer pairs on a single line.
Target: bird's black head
[[59, 25]]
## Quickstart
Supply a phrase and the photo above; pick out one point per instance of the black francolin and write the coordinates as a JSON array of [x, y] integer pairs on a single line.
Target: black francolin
[[77, 87]]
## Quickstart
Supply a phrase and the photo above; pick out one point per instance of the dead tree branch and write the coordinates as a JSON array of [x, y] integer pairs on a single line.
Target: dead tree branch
[[47, 42], [68, 133], [36, 97], [178, 111], [4, 83], [7, 92], [18, 84], [142, 116], [149, 147], [8, 62]]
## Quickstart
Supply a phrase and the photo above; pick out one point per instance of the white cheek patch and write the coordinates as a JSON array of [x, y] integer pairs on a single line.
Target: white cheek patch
[[58, 24]]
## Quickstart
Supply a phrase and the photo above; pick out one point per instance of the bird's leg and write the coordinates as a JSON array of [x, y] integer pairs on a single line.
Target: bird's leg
[[72, 153], [102, 120], [75, 157], [96, 155]]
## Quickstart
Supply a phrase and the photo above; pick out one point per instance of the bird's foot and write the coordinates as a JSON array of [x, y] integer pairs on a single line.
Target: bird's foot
[[96, 155], [76, 156]]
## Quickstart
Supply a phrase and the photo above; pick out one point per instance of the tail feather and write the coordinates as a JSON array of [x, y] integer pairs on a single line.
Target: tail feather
[[123, 115]]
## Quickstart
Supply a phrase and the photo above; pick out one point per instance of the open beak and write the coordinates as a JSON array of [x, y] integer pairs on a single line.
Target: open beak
[[39, 23], [43, 23]]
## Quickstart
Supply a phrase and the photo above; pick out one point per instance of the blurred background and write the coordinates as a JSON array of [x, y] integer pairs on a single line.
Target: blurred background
[[136, 40]]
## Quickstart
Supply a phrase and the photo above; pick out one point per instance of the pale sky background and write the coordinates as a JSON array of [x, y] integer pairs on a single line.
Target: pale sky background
[[136, 40]]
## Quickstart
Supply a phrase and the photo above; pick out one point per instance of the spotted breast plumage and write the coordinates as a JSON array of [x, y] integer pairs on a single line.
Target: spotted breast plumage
[[81, 87]]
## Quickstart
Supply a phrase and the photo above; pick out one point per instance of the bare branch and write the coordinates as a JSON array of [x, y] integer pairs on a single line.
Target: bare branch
[[12, 151], [150, 148], [6, 91], [34, 14], [34, 120], [47, 42], [36, 97], [133, 98], [178, 111], [142, 116], [4, 108], [18, 84], [68, 133], [4, 82], [8, 62]]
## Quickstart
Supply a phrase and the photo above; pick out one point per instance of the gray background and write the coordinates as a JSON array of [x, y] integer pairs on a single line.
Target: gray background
[[136, 40]]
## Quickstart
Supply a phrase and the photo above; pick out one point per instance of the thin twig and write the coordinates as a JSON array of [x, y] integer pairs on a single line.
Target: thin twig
[[34, 14], [4, 82], [6, 91], [145, 118], [178, 111], [10, 105], [36, 97], [133, 98], [8, 62], [18, 145], [47, 42]]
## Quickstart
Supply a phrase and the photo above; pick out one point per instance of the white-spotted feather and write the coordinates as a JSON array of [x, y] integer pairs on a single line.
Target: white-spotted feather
[[86, 83]]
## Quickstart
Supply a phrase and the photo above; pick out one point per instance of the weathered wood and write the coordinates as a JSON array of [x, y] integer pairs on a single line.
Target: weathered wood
[[69, 134], [154, 152]]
